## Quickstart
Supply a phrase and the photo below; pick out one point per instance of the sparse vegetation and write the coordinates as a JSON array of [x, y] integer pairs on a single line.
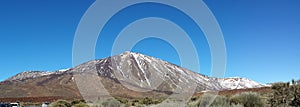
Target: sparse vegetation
[[279, 95], [149, 101], [219, 101], [248, 99], [285, 94], [282, 95], [60, 103], [111, 103], [80, 104], [139, 102], [64, 103]]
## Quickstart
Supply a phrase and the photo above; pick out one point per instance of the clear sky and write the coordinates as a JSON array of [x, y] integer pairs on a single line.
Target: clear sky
[[262, 36]]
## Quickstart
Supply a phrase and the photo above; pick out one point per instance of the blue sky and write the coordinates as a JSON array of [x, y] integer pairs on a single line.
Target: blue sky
[[262, 37]]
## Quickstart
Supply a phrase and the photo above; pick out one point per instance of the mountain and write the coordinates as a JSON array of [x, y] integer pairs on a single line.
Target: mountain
[[129, 74]]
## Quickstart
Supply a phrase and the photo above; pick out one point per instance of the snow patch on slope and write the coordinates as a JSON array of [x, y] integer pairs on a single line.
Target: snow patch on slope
[[239, 83], [35, 74]]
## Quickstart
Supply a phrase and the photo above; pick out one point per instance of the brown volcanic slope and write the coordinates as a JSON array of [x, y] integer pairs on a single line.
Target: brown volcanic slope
[[58, 85]]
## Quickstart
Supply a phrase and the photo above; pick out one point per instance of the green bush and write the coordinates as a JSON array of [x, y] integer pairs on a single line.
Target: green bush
[[111, 103], [295, 88], [77, 102], [248, 99], [80, 104], [285, 94], [149, 101], [220, 101], [60, 103], [64, 103], [206, 100], [122, 100]]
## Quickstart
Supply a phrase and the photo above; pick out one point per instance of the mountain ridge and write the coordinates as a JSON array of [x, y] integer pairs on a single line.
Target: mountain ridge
[[34, 74], [126, 75]]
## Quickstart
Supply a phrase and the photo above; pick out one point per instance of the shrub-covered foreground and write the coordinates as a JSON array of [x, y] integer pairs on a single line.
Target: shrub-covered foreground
[[64, 103], [246, 99], [285, 94], [117, 102], [282, 95]]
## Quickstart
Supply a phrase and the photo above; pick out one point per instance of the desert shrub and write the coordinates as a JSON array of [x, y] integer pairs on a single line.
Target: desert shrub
[[111, 103], [194, 98], [149, 101], [218, 101], [248, 99], [295, 88], [60, 103], [77, 102], [146, 101], [281, 94], [206, 100], [80, 104], [135, 100], [193, 104], [285, 94], [122, 100]]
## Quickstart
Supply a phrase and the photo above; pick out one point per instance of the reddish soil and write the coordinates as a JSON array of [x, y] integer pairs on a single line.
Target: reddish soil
[[35, 99], [54, 98]]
